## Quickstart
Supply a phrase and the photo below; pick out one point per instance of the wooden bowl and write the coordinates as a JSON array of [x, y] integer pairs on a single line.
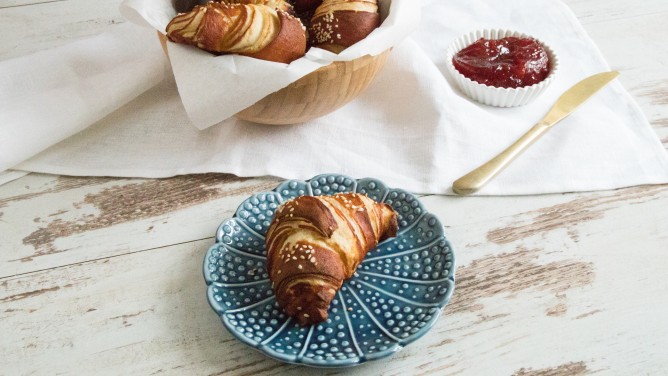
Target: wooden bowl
[[316, 94]]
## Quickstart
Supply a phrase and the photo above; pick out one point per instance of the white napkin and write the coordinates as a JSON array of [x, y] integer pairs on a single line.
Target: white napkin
[[206, 81], [411, 128], [51, 95]]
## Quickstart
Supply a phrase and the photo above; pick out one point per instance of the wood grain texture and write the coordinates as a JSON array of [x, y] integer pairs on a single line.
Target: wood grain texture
[[570, 214], [318, 93], [29, 27], [568, 369], [145, 312], [628, 35], [61, 220], [508, 274]]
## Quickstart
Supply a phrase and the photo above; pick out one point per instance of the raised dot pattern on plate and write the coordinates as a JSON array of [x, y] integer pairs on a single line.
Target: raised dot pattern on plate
[[257, 323], [293, 188], [258, 210], [331, 184], [373, 188], [395, 296], [224, 264], [236, 234]]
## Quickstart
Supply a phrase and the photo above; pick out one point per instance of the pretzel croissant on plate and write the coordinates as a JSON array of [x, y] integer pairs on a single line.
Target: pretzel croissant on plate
[[315, 243], [253, 30]]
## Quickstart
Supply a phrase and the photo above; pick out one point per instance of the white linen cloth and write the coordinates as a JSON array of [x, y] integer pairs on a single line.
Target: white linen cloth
[[412, 128], [50, 95]]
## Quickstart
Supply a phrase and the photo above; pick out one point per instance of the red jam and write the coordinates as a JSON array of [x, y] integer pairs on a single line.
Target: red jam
[[509, 62]]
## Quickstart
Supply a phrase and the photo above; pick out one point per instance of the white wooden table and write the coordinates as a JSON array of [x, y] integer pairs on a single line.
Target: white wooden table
[[103, 275]]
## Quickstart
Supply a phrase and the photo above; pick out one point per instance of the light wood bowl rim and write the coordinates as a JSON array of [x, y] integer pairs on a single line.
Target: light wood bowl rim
[[302, 81]]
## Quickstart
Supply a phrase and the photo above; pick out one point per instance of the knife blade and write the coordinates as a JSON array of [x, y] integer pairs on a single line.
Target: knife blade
[[568, 102], [578, 94]]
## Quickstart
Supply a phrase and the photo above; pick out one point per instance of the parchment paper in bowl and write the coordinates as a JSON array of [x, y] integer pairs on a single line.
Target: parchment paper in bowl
[[214, 88]]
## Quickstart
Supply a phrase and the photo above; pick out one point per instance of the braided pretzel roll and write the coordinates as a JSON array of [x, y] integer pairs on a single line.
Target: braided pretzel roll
[[246, 29], [338, 24], [315, 243]]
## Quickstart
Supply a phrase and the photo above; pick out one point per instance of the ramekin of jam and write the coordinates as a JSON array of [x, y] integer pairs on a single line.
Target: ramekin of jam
[[501, 68]]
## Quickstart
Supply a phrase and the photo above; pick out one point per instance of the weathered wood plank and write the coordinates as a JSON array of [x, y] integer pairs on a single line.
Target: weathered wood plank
[[23, 3], [569, 215], [52, 221], [625, 34], [33, 27], [146, 311]]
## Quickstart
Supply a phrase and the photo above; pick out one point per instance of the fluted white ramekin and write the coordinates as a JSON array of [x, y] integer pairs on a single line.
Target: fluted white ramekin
[[498, 96]]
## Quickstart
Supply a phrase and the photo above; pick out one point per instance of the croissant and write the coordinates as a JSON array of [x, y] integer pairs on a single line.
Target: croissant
[[315, 243], [338, 24], [246, 29]]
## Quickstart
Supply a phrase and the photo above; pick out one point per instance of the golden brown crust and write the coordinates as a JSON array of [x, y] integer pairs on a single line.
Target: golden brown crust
[[276, 4], [290, 43], [315, 243], [252, 30], [338, 24]]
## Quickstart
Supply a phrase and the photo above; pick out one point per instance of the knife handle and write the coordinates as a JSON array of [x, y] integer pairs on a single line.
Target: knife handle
[[477, 178]]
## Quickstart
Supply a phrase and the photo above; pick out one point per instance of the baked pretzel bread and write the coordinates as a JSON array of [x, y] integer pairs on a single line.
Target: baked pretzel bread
[[275, 4], [257, 31], [183, 6], [314, 243], [338, 24]]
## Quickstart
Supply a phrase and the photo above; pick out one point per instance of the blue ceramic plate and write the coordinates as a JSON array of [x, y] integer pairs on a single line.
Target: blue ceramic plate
[[393, 299]]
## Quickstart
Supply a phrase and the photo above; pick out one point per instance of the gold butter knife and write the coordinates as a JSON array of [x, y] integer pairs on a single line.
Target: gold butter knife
[[565, 105]]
